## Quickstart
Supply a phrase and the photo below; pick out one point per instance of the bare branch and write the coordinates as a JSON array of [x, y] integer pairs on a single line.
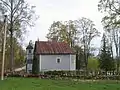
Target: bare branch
[[116, 10], [17, 7], [5, 3]]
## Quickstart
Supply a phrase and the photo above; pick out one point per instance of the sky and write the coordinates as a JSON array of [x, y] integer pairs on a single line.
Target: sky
[[62, 10]]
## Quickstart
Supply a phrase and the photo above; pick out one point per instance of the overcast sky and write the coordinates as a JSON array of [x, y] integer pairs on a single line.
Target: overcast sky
[[54, 10]]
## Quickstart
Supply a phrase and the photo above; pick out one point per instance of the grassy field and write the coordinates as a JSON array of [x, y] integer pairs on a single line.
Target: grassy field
[[42, 84]]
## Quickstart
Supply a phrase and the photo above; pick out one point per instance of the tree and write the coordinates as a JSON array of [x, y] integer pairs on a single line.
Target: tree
[[19, 53], [35, 66], [111, 22], [112, 11], [87, 32], [79, 57], [93, 63], [111, 40], [18, 50], [20, 15], [114, 41], [63, 31], [72, 32], [106, 61]]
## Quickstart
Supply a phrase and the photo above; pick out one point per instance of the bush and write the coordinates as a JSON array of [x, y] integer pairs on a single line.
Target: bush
[[64, 75], [78, 75]]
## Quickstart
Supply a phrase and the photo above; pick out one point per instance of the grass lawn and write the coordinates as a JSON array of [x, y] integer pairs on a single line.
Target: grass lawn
[[44, 84]]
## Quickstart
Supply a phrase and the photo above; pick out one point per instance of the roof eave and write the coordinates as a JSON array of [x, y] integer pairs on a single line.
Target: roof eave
[[55, 53]]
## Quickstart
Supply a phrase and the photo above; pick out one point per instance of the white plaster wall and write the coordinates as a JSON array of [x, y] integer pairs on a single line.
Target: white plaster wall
[[48, 62]]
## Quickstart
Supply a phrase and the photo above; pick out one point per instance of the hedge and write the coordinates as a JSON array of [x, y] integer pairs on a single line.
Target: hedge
[[66, 75]]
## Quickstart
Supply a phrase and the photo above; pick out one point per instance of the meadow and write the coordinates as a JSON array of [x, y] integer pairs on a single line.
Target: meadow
[[48, 84]]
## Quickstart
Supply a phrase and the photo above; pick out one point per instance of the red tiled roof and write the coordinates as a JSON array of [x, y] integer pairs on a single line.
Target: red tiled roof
[[48, 47]]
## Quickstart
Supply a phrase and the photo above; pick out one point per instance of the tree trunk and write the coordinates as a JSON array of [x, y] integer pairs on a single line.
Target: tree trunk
[[117, 59], [111, 52], [106, 74], [116, 40], [11, 38], [11, 51]]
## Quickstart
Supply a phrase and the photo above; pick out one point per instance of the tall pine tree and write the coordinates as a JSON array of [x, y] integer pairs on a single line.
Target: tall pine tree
[[35, 66], [106, 61]]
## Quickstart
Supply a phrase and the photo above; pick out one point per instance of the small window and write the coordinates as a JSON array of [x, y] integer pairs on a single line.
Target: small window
[[29, 51], [58, 60]]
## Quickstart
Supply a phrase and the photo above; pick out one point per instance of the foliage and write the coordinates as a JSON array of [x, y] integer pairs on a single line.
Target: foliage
[[111, 22], [78, 34], [106, 61], [35, 66], [112, 12], [87, 32], [63, 31], [67, 75], [19, 16], [93, 63], [79, 57], [19, 53]]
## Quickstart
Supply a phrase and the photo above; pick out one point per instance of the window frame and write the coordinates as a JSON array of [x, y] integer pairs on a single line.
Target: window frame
[[58, 58], [29, 51]]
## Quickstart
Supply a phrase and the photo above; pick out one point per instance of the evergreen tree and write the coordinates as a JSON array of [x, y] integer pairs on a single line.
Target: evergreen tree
[[106, 61], [35, 66]]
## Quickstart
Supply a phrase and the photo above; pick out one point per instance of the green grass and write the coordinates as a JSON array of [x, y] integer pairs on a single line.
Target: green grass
[[44, 84]]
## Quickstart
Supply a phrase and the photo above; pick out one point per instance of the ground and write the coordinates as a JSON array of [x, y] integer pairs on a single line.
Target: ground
[[44, 84]]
